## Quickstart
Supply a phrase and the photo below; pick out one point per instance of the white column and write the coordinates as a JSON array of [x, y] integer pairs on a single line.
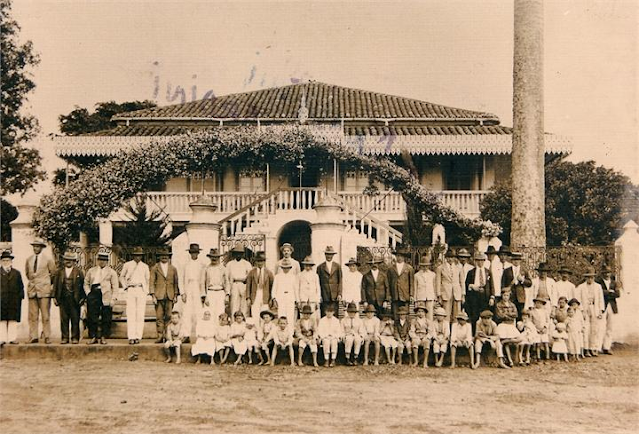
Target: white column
[[203, 227], [625, 328], [327, 230]]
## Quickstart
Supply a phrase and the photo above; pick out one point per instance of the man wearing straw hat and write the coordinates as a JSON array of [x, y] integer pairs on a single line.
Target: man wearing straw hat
[[192, 290], [287, 250], [100, 285], [216, 287], [594, 307], [164, 289], [69, 295], [39, 270], [237, 271], [284, 292], [135, 281]]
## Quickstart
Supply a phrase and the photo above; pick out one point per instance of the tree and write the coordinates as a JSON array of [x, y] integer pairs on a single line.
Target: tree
[[20, 166], [584, 204], [80, 121], [145, 228], [8, 213]]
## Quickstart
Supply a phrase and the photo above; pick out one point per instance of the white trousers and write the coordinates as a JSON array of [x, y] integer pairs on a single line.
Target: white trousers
[[258, 307], [216, 301], [329, 347], [135, 307], [286, 307], [352, 342], [8, 331], [593, 341], [191, 312], [606, 328], [238, 298]]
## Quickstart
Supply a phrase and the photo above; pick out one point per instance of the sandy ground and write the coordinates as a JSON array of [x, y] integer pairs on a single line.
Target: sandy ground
[[594, 396]]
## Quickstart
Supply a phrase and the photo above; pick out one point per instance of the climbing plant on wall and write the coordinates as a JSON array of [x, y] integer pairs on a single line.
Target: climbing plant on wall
[[99, 191]]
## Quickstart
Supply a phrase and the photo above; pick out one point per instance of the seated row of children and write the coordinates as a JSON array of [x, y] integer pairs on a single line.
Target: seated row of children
[[262, 342]]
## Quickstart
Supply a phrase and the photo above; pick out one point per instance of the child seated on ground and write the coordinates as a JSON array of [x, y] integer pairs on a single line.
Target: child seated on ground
[[420, 334], [223, 338], [541, 321], [370, 329], [306, 335], [173, 338], [402, 336], [282, 337], [559, 339], [441, 335], [329, 332], [237, 331], [461, 335], [252, 343], [352, 337], [387, 336], [575, 329], [529, 337], [205, 343], [486, 333], [264, 334]]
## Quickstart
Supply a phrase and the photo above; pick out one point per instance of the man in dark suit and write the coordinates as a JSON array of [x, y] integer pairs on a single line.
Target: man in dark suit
[[375, 286], [477, 289], [11, 295], [259, 284], [330, 277], [401, 278], [611, 291], [69, 295], [163, 287], [517, 278]]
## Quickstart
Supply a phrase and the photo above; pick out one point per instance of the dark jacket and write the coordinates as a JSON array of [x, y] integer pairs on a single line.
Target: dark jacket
[[11, 295], [252, 281], [518, 289], [401, 285], [610, 294], [163, 287], [376, 292], [330, 282], [77, 277]]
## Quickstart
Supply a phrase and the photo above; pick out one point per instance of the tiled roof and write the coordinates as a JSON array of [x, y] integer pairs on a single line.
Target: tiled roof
[[324, 101]]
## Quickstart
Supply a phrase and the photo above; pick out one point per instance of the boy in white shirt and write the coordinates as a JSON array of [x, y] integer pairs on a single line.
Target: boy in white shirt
[[461, 335], [352, 328], [329, 332], [282, 337], [425, 287], [370, 328]]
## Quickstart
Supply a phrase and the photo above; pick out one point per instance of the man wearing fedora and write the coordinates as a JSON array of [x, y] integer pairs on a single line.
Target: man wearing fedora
[[164, 289], [330, 277], [285, 287], [352, 283], [375, 286], [135, 281], [594, 307], [69, 295], [237, 271], [611, 291], [446, 282], [259, 284], [192, 291], [216, 288], [100, 286], [309, 292], [477, 288], [11, 295], [401, 277], [517, 278], [39, 270], [287, 250]]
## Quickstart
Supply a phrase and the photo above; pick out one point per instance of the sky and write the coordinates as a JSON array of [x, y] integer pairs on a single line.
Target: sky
[[456, 53]]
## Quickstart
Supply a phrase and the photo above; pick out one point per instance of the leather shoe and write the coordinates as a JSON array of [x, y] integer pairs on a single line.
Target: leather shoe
[[131, 341], [33, 341], [64, 341], [74, 341], [103, 341]]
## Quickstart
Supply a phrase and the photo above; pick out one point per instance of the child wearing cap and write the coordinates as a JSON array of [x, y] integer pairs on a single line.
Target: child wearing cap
[[529, 337], [542, 324], [282, 337], [559, 342], [306, 334], [575, 330], [329, 332], [387, 336], [223, 338], [237, 332], [461, 335], [370, 328], [420, 334], [205, 333], [441, 335], [402, 334], [486, 333], [173, 338], [352, 337], [425, 287], [264, 334], [252, 343]]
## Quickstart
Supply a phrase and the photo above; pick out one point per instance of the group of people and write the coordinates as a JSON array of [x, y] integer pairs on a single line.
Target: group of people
[[257, 313]]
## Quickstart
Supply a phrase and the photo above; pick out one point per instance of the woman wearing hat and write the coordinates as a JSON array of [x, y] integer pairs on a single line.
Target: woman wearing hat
[[11, 295], [593, 305], [308, 293], [39, 270]]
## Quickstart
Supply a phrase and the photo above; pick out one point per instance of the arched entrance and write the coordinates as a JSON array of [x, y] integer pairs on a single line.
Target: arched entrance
[[298, 233]]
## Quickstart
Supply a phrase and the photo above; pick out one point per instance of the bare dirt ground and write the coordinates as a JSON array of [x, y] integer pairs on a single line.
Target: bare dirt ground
[[594, 396]]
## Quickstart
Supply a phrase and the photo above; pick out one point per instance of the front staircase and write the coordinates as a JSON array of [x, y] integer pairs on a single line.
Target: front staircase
[[298, 204]]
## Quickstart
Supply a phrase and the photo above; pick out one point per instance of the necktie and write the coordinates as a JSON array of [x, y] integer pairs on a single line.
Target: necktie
[[35, 264], [481, 277], [260, 278]]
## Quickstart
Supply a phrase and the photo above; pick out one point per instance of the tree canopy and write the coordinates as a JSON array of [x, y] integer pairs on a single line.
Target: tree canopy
[[585, 204], [80, 121], [20, 165]]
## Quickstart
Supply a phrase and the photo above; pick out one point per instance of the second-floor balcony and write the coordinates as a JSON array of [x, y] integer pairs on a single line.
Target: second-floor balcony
[[386, 205]]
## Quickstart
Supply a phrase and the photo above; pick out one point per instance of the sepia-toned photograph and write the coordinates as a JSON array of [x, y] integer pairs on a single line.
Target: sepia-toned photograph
[[289, 216]]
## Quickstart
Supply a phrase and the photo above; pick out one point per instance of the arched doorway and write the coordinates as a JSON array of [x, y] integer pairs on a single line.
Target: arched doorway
[[298, 233]]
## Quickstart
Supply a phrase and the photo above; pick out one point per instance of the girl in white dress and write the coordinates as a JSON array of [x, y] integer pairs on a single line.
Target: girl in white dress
[[237, 331], [205, 332], [559, 339], [223, 338]]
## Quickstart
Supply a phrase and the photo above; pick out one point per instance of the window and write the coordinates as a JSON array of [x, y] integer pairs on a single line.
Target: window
[[251, 180], [463, 173], [355, 180]]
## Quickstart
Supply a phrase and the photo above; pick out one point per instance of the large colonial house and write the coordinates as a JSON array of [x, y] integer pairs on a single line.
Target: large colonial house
[[459, 154]]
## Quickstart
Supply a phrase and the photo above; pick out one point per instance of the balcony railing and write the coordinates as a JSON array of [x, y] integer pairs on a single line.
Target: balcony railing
[[388, 206]]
